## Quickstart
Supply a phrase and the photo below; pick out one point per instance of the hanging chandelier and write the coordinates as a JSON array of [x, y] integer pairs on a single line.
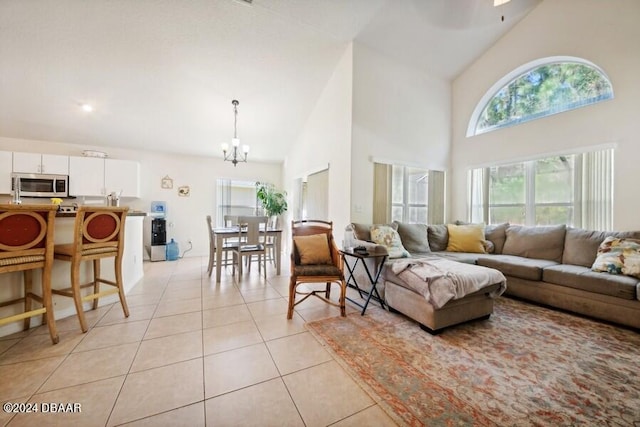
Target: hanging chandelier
[[233, 156]]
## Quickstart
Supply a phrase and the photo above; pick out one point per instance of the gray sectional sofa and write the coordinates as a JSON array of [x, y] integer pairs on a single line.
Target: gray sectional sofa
[[549, 265]]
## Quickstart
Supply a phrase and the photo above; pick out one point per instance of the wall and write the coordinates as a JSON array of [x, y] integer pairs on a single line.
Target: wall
[[326, 140], [400, 115], [605, 33], [185, 215]]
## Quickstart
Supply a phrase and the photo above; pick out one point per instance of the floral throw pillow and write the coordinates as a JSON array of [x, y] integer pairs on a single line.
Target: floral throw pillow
[[388, 237], [618, 256]]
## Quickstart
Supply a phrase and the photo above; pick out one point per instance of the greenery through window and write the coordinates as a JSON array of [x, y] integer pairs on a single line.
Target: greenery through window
[[544, 90], [409, 191]]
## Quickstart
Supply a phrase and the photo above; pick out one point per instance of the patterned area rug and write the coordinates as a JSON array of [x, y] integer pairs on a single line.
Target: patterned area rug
[[527, 365]]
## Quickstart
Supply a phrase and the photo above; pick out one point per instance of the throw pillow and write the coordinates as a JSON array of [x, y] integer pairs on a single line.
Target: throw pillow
[[466, 238], [619, 256], [414, 237], [313, 249], [438, 237], [388, 237], [363, 231]]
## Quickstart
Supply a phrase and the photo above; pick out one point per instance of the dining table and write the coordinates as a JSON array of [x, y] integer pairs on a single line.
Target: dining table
[[223, 233]]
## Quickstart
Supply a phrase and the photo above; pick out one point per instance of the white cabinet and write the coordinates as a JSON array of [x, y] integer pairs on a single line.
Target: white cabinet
[[5, 172], [86, 176], [41, 163], [94, 176], [122, 177]]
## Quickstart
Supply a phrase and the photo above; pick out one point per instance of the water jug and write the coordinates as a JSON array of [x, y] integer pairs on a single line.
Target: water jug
[[172, 250]]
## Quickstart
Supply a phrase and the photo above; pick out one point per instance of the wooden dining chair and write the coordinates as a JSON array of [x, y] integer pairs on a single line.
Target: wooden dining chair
[[252, 241], [26, 244], [315, 259], [98, 234], [227, 247]]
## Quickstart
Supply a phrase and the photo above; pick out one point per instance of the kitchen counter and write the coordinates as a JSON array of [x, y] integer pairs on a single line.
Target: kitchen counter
[[73, 214]]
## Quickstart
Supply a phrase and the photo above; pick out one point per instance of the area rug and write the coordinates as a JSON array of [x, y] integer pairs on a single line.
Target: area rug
[[525, 366]]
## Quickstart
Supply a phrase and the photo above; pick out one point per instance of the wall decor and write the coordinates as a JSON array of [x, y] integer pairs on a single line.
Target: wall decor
[[184, 191], [167, 182]]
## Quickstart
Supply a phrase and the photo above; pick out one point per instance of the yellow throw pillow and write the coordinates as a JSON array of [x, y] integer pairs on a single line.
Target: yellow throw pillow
[[466, 238], [313, 249]]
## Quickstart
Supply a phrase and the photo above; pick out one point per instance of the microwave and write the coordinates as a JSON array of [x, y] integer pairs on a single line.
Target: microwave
[[40, 185]]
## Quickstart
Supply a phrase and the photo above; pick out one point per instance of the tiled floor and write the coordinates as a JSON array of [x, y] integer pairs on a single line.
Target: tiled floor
[[192, 353]]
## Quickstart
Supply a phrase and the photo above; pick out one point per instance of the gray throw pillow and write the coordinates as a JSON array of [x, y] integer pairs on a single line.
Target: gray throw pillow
[[535, 242], [581, 246], [496, 233], [438, 237], [414, 237]]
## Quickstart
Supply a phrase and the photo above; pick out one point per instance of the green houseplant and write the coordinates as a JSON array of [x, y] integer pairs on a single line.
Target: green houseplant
[[273, 202]]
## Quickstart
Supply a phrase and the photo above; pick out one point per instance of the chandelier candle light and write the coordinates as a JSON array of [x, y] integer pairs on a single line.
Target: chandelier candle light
[[235, 142]]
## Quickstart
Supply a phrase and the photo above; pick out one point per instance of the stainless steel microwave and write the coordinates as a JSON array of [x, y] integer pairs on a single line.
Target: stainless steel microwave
[[40, 185]]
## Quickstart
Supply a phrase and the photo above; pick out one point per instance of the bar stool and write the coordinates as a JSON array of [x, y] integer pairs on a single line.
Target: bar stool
[[98, 234], [26, 244]]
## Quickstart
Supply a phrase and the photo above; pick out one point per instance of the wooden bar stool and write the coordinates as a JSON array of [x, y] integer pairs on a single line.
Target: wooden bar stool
[[98, 234], [26, 244]]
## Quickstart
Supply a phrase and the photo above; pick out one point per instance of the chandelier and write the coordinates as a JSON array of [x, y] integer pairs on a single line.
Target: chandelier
[[233, 156]]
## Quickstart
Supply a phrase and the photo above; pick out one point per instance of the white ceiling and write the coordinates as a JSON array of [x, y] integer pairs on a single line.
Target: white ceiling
[[161, 74]]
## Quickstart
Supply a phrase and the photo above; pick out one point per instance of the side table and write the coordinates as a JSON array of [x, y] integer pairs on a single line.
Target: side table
[[380, 256]]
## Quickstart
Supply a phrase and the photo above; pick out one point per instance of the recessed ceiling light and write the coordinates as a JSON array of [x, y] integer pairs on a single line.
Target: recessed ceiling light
[[87, 108]]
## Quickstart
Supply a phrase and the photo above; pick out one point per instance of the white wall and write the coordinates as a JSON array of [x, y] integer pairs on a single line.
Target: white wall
[[400, 115], [605, 33], [186, 214], [326, 140]]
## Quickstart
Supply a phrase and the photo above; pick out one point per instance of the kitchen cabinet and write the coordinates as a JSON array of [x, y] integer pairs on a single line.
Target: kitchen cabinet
[[5, 172], [122, 177], [41, 163], [86, 176]]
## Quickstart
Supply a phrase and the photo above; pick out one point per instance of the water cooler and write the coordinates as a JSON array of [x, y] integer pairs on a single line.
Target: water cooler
[[158, 239]]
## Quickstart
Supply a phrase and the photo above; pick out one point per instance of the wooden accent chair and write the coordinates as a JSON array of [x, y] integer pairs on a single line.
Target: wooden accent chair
[[26, 244], [98, 234], [315, 259], [252, 241]]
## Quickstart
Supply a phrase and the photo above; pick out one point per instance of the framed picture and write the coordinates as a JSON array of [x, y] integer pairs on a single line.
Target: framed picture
[[184, 191], [167, 183]]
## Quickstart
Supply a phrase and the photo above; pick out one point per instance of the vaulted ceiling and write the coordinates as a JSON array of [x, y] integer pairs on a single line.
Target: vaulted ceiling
[[161, 74]]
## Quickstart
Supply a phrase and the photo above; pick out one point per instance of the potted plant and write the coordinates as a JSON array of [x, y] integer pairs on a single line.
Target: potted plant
[[273, 202]]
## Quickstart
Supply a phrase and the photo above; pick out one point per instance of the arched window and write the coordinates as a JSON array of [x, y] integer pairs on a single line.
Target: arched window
[[538, 89]]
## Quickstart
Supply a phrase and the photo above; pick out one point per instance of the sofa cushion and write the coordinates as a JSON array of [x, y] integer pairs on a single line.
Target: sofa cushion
[[466, 257], [618, 256], [414, 237], [535, 242], [438, 236], [389, 238], [496, 234], [579, 277], [313, 249], [466, 238], [363, 231], [515, 266], [581, 246]]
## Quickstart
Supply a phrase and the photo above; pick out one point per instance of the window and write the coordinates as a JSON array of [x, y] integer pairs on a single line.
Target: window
[[539, 89], [235, 198], [573, 189]]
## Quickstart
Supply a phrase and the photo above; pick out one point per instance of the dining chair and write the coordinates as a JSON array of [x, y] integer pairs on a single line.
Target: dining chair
[[228, 246], [252, 241], [271, 240], [26, 244], [315, 259], [98, 234]]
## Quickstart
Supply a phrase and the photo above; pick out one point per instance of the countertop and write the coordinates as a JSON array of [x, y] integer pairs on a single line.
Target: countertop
[[73, 214]]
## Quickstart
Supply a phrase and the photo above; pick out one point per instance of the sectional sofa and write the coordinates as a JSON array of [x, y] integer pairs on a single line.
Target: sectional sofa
[[550, 265]]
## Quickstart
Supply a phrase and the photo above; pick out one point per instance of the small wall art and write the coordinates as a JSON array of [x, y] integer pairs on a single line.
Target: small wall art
[[184, 191], [167, 183]]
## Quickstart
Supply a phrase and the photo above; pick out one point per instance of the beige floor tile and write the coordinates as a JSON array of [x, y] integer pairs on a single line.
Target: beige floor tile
[[167, 350], [279, 326], [222, 300], [186, 275], [149, 286], [71, 323], [372, 416], [177, 324], [211, 289], [6, 416], [225, 316], [94, 365], [330, 384], [94, 400], [180, 294], [260, 294], [181, 285], [39, 347], [6, 345], [229, 337], [235, 369], [297, 352], [24, 378], [144, 299], [115, 315], [106, 336], [270, 405], [318, 313], [169, 308], [188, 416], [158, 390], [268, 308]]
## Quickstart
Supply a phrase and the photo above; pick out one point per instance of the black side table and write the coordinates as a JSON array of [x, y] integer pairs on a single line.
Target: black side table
[[360, 257]]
